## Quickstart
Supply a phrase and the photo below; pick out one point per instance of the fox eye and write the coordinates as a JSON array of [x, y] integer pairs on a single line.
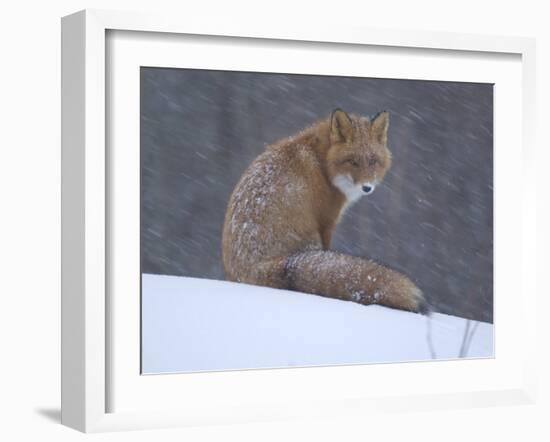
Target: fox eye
[[373, 161], [351, 162]]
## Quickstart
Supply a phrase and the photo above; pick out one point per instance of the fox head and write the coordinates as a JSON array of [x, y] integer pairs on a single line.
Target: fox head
[[358, 157]]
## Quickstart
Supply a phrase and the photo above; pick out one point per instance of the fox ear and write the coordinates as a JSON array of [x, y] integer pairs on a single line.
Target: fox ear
[[380, 124], [341, 128]]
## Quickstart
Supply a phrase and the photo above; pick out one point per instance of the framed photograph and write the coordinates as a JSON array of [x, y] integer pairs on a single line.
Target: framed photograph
[[263, 223]]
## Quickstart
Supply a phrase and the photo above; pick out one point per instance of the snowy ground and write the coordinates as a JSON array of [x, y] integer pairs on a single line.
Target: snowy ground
[[191, 324]]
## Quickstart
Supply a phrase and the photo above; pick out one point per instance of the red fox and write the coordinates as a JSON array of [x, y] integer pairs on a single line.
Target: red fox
[[284, 209]]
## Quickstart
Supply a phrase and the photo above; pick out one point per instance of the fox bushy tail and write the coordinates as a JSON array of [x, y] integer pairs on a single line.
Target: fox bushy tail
[[350, 278]]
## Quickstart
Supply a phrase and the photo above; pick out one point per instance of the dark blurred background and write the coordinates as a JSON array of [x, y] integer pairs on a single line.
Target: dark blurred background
[[432, 218]]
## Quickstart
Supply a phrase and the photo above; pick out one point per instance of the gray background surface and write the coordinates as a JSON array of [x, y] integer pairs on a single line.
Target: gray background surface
[[432, 217]]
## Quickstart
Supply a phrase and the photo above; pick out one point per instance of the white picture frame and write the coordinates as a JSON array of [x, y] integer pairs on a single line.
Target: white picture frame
[[87, 356]]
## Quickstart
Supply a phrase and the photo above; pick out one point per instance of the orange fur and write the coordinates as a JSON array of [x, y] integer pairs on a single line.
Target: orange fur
[[284, 209]]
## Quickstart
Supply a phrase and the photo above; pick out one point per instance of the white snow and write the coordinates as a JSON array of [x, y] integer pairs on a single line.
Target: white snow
[[191, 324]]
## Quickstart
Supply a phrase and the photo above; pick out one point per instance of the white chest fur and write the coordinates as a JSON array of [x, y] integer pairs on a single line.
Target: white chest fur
[[351, 191]]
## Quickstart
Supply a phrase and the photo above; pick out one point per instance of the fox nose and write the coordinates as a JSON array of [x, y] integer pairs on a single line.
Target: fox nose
[[368, 189]]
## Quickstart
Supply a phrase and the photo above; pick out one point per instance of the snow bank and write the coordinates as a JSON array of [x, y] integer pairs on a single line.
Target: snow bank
[[191, 324]]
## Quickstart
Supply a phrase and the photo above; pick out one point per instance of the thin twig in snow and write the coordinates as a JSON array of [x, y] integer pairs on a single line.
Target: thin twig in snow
[[429, 337], [464, 339], [474, 328], [467, 338]]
